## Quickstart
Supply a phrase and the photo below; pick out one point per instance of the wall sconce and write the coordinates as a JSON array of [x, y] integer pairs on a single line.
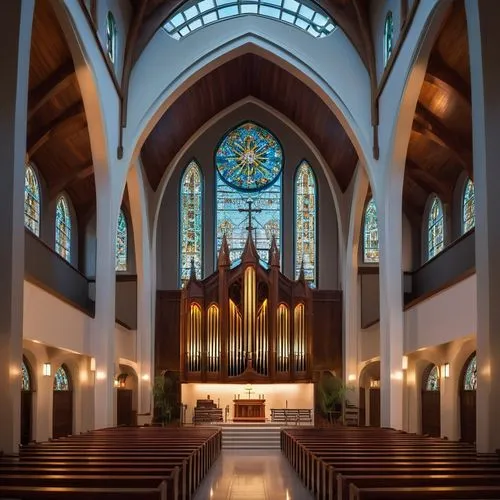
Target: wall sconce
[[116, 383], [351, 377], [374, 384], [92, 364], [404, 363], [445, 370], [46, 370]]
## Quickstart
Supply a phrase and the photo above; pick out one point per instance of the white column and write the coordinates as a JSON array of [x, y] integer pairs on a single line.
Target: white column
[[15, 26], [389, 212], [484, 40]]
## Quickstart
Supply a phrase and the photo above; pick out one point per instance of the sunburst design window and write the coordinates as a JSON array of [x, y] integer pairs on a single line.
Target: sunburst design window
[[304, 15]]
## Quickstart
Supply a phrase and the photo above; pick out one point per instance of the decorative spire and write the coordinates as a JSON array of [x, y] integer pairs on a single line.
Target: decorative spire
[[250, 252], [301, 272], [274, 255], [192, 274], [224, 259]]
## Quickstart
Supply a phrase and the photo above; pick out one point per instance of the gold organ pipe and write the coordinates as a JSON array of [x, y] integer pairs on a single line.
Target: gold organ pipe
[[213, 338], [194, 348], [283, 336], [299, 341], [249, 308]]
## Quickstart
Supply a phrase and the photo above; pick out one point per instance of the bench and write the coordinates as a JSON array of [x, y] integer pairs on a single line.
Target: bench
[[288, 415]]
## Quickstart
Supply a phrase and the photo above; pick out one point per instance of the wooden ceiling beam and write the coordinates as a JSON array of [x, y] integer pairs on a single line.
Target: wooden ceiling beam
[[447, 79], [427, 181], [59, 80], [69, 180], [428, 124], [59, 127]]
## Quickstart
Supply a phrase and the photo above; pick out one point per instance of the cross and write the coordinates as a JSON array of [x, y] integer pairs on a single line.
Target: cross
[[250, 210]]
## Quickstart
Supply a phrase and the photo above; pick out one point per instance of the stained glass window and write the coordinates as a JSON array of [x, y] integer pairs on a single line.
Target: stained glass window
[[249, 162], [388, 36], [121, 250], [435, 228], [370, 234], [305, 223], [468, 207], [432, 382], [111, 36], [191, 236], [63, 229], [25, 380], [470, 379], [249, 158], [196, 14], [31, 201], [61, 379]]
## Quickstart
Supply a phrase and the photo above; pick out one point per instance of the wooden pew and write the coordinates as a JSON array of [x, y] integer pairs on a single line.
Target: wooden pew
[[422, 493]]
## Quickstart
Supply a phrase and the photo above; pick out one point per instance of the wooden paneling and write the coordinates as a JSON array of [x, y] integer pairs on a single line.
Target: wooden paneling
[[124, 413], [468, 416], [62, 414], [249, 75], [431, 413], [167, 335], [26, 416]]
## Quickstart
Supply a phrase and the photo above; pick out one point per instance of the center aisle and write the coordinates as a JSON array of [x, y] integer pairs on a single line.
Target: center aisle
[[252, 475]]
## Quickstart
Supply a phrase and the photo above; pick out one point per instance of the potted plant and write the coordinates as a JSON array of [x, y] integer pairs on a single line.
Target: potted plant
[[162, 408], [330, 396]]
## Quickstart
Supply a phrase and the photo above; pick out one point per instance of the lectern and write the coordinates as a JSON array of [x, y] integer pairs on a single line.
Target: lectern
[[249, 410]]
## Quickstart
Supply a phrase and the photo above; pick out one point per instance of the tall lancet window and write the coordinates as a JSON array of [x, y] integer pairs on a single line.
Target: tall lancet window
[[191, 221], [468, 208], [305, 223], [63, 229], [370, 234], [435, 228], [111, 37], [249, 161], [121, 251], [31, 201], [388, 36]]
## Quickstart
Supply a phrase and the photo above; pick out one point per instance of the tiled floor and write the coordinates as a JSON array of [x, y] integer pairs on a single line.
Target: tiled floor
[[251, 475]]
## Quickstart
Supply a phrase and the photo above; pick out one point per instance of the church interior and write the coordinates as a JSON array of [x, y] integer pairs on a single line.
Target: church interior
[[247, 245]]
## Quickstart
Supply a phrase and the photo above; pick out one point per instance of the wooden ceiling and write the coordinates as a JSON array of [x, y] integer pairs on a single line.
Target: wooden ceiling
[[249, 75], [440, 147], [58, 142]]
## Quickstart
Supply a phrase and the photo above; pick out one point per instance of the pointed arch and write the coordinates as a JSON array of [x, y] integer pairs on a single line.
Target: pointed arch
[[111, 37], [63, 228], [191, 222], [388, 36], [26, 379], [121, 251], [370, 234], [31, 200], [431, 379], [62, 381], [435, 228], [468, 207], [306, 203], [469, 382]]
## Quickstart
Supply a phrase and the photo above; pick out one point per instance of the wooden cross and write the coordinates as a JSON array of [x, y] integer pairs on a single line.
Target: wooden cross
[[250, 210]]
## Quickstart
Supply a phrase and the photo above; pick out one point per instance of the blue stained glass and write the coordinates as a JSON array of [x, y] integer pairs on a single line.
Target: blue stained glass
[[468, 207], [249, 158], [63, 229], [61, 380], [435, 228], [432, 382], [31, 201], [111, 36], [121, 249], [25, 380], [191, 236], [305, 223], [388, 36], [470, 379], [370, 234]]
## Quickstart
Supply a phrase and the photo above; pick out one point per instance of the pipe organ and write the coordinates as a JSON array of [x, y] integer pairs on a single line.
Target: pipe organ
[[249, 323]]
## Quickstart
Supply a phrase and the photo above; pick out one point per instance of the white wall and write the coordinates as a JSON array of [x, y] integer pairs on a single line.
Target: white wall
[[126, 343]]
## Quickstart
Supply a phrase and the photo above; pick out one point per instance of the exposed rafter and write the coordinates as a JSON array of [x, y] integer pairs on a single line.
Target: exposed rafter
[[69, 180], [50, 87], [59, 127], [427, 181], [428, 124]]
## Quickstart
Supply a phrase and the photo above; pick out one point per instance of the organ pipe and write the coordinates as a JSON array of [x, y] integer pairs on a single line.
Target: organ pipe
[[283, 334], [261, 348], [249, 308], [213, 339], [237, 349], [300, 338], [194, 347]]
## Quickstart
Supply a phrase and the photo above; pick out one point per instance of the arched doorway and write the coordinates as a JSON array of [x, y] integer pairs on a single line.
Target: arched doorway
[[431, 402], [369, 395], [26, 402], [127, 396], [468, 386], [62, 413]]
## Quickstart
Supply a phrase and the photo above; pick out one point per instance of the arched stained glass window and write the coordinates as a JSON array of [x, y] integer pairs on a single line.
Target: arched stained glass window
[[61, 379], [31, 201], [25, 378], [121, 251], [111, 37], [370, 234], [249, 162], [305, 222], [470, 378], [435, 228], [303, 14], [468, 207], [388, 36], [432, 382], [191, 210], [63, 229]]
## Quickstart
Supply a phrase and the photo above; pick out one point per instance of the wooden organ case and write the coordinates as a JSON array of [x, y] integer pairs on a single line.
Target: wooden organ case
[[246, 324]]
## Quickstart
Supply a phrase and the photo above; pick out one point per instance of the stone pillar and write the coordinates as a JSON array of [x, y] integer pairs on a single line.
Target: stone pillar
[[389, 212], [15, 26], [484, 40]]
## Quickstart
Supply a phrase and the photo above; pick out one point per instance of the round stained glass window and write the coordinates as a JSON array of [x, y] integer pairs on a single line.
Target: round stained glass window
[[249, 158]]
